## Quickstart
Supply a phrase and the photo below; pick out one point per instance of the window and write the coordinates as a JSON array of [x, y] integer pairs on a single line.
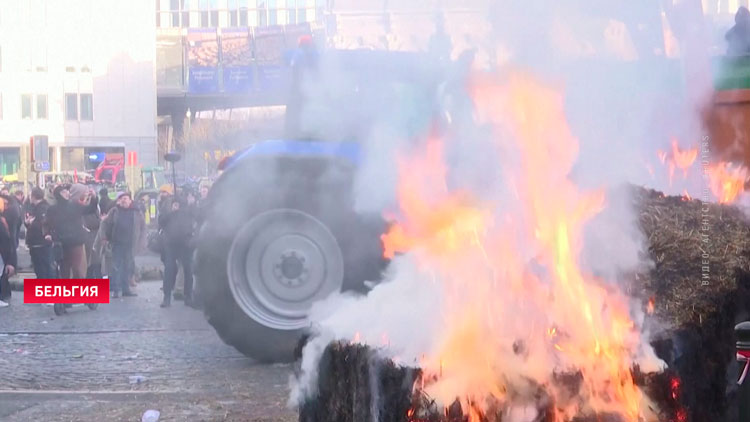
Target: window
[[302, 14], [214, 13], [87, 107], [71, 106], [232, 7], [1, 106], [41, 106], [272, 12], [243, 4], [292, 11], [185, 6], [262, 15], [174, 7], [26, 106]]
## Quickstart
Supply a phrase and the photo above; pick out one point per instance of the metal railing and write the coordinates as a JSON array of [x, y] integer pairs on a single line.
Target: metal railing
[[218, 18]]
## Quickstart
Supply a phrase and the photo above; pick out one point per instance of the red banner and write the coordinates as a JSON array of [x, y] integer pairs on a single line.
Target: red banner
[[58, 290]]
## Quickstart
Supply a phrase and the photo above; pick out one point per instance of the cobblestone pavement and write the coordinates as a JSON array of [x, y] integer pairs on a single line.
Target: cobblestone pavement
[[128, 356]]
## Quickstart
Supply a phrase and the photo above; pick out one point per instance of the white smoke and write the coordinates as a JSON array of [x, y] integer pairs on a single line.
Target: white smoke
[[620, 126]]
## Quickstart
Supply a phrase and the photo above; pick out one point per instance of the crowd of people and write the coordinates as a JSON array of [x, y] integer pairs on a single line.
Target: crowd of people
[[74, 232]]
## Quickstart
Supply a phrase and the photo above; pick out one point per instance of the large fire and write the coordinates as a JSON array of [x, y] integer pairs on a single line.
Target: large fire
[[518, 309]]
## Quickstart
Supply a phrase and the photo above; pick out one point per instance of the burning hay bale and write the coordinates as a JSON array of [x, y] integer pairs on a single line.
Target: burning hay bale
[[700, 250], [696, 316], [700, 279], [356, 383]]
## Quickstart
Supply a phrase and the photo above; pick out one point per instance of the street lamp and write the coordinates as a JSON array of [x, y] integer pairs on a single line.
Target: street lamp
[[173, 157]]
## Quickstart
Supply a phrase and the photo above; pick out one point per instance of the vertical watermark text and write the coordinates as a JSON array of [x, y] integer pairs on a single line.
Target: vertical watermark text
[[705, 228]]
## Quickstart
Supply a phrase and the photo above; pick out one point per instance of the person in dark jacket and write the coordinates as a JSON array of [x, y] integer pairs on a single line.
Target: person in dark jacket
[[178, 226], [8, 254], [37, 238], [91, 222], [12, 215], [738, 37], [105, 202], [125, 229], [23, 203], [65, 219]]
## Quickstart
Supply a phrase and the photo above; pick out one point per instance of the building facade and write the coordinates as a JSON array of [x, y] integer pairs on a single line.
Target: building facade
[[81, 72]]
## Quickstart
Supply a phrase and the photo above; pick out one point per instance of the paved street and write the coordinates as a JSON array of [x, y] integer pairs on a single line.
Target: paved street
[[129, 356]]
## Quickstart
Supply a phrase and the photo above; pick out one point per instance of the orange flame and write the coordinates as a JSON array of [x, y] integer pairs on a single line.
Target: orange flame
[[677, 159], [727, 181], [683, 159], [485, 265], [650, 307]]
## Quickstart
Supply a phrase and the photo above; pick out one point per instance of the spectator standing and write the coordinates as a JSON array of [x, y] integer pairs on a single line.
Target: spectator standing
[[37, 239], [91, 222], [65, 219], [105, 202], [8, 254], [12, 215], [738, 37], [125, 229], [178, 229]]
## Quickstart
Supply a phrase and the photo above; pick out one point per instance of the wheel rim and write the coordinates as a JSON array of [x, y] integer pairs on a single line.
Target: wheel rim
[[280, 263]]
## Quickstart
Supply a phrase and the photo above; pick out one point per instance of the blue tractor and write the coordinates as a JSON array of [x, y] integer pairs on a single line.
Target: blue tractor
[[282, 233]]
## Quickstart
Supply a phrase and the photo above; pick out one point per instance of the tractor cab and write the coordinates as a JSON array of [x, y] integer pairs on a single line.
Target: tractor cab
[[152, 179], [111, 170]]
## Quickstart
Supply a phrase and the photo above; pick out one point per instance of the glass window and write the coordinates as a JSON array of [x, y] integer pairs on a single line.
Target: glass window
[[87, 107], [214, 6], [9, 160], [174, 7], [243, 5], [233, 16], [26, 106], [1, 106], [272, 12], [41, 106], [185, 6], [291, 9], [71, 106], [302, 14], [262, 14]]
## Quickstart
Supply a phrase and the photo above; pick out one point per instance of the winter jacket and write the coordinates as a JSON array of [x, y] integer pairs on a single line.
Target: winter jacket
[[12, 215], [115, 221], [36, 231], [65, 220], [178, 226], [105, 205], [7, 245]]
